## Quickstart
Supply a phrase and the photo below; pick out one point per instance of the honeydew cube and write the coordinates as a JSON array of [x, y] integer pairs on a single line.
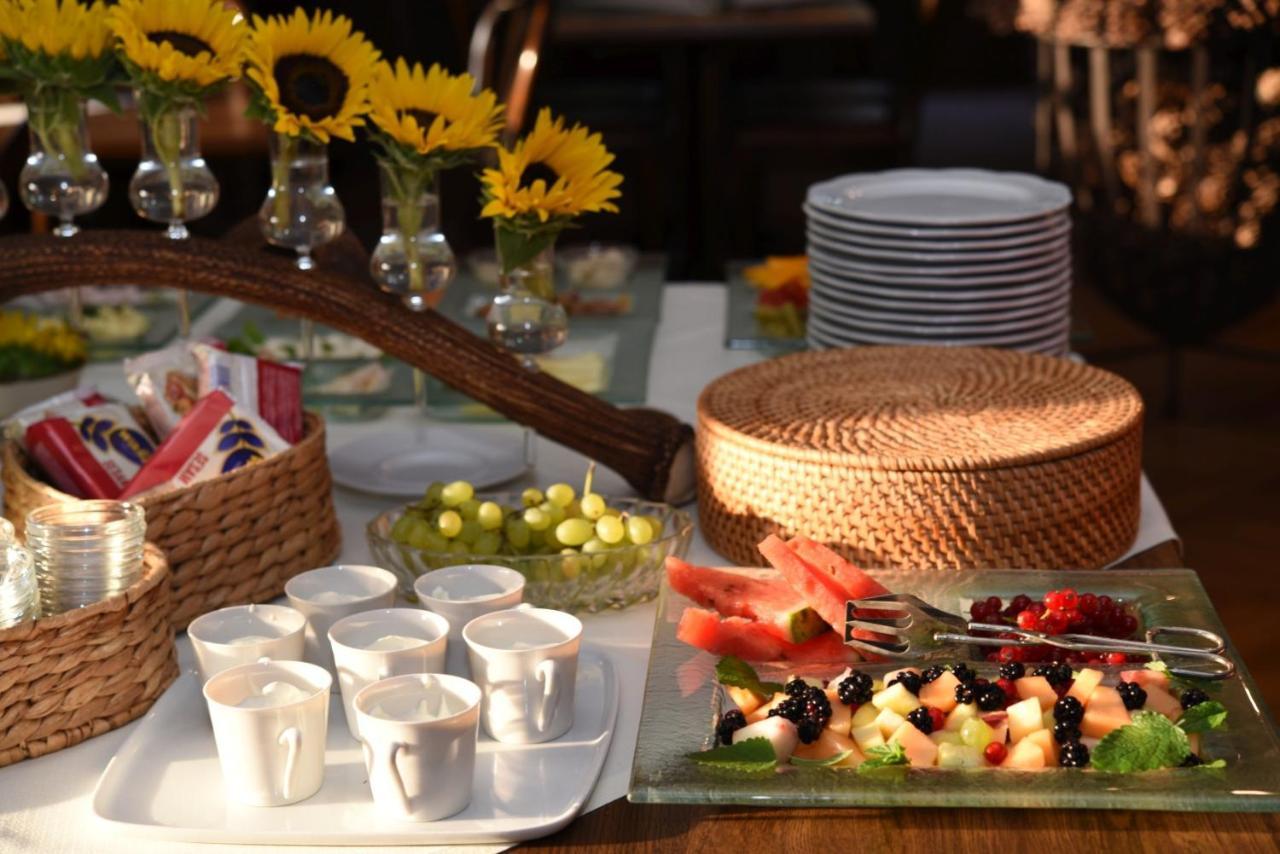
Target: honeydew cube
[[1084, 684], [1044, 738], [841, 717], [780, 732], [941, 692], [827, 745], [1160, 700], [1025, 718], [1047, 719], [866, 714], [920, 749], [746, 701], [1146, 678], [897, 698], [959, 756], [960, 714], [1038, 687], [888, 721], [762, 711], [1104, 713], [942, 736], [976, 733], [1025, 755], [867, 737]]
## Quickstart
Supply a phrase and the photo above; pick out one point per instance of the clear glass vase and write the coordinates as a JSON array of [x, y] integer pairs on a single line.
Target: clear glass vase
[[172, 184], [413, 259], [62, 177], [301, 211], [525, 317]]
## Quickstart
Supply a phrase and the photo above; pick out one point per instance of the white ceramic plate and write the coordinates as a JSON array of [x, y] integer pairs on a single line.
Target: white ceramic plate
[[165, 782], [1054, 345], [843, 333], [1035, 225], [838, 277], [1013, 295], [924, 252], [403, 462], [894, 270], [940, 197], [997, 321], [939, 239]]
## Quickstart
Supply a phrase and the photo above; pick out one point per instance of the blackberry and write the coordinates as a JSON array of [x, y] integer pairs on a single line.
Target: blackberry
[[1065, 733], [729, 723], [1057, 673], [990, 698], [1013, 670], [1133, 694], [796, 688], [921, 719], [808, 731], [854, 689], [817, 707], [1068, 710], [909, 679], [931, 673], [791, 709], [963, 672], [1193, 697], [1073, 755], [1192, 761], [964, 693]]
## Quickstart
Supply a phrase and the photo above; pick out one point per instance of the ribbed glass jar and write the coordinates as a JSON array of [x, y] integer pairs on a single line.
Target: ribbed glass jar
[[19, 594], [85, 551]]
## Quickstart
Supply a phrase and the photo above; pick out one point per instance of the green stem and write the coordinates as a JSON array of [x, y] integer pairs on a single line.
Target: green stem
[[285, 155], [54, 115], [166, 136]]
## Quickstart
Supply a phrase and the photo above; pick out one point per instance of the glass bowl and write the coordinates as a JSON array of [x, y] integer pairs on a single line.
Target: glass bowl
[[615, 578], [597, 266]]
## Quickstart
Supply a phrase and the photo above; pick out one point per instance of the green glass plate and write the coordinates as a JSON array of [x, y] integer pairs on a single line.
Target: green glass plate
[[682, 700], [742, 330], [161, 311]]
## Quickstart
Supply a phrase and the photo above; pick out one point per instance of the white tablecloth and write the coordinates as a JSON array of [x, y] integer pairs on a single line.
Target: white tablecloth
[[45, 803]]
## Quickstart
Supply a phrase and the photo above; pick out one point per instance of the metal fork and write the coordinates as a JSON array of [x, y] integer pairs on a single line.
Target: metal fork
[[910, 627]]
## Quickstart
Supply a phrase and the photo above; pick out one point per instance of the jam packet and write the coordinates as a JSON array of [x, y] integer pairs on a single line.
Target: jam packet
[[215, 438], [269, 389], [165, 381], [89, 450]]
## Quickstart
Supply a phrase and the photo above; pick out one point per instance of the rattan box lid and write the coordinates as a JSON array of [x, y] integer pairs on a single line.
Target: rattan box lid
[[920, 408]]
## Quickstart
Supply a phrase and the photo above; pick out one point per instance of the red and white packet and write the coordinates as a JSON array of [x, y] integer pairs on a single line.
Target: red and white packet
[[89, 450], [269, 389]]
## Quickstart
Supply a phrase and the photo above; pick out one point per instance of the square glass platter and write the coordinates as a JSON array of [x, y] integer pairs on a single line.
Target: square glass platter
[[158, 306], [682, 700], [742, 330]]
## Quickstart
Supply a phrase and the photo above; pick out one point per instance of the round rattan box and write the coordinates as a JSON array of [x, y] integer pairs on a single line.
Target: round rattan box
[[923, 457]]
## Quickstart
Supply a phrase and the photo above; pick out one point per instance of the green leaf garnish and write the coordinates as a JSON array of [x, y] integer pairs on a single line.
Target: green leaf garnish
[[1182, 683], [1208, 715], [821, 763], [749, 755], [884, 756], [1150, 742], [737, 673], [1217, 763]]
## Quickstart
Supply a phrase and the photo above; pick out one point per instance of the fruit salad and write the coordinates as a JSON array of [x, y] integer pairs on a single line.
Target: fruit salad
[[948, 716]]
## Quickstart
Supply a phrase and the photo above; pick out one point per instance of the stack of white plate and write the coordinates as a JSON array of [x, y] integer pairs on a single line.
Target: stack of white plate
[[940, 256]]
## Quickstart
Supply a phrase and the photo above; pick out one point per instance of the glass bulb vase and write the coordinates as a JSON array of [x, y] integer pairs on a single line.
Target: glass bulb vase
[[525, 317], [413, 259]]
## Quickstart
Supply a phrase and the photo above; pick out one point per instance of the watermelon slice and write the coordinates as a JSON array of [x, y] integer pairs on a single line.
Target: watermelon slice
[[770, 601], [753, 641], [815, 587], [855, 583]]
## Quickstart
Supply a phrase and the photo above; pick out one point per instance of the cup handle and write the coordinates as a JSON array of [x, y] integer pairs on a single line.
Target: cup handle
[[393, 774], [291, 738], [546, 673]]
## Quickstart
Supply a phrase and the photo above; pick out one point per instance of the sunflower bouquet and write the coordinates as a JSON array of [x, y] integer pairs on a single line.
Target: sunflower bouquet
[[550, 177]]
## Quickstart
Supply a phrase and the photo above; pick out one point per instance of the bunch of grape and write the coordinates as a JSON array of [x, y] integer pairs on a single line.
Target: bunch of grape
[[450, 519]]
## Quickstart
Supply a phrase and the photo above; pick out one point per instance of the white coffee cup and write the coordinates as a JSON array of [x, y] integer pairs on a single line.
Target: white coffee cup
[[270, 720], [328, 594], [378, 644], [419, 738], [243, 634], [525, 661], [462, 593]]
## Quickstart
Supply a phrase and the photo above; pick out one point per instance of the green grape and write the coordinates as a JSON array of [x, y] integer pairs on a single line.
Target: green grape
[[595, 547], [574, 532], [593, 506], [638, 530], [419, 534], [487, 543], [470, 531], [457, 492], [655, 524], [457, 547], [400, 530], [560, 494], [532, 497], [574, 510], [489, 515], [610, 530], [433, 542], [554, 512], [449, 523], [517, 531], [570, 563], [469, 509], [550, 542], [537, 519], [434, 493]]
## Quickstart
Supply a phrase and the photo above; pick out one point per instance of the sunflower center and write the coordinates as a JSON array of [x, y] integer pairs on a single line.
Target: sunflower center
[[181, 42], [424, 118], [539, 172], [310, 86]]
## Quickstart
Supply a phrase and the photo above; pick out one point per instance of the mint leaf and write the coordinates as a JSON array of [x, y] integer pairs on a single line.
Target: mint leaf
[[1204, 717], [1217, 763], [884, 756], [749, 755], [736, 672], [1150, 742], [820, 763]]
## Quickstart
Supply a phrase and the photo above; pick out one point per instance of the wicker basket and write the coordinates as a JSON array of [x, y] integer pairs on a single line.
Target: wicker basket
[[79, 674], [232, 540], [915, 457]]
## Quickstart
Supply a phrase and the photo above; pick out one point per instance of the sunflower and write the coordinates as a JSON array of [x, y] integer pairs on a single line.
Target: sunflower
[[433, 112], [195, 44], [563, 170], [312, 75], [53, 30]]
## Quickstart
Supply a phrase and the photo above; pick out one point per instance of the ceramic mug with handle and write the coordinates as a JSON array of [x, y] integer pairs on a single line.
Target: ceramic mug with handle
[[462, 593], [243, 634], [328, 594]]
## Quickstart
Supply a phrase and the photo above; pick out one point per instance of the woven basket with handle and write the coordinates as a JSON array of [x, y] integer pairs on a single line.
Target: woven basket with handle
[[232, 540], [916, 457], [78, 674]]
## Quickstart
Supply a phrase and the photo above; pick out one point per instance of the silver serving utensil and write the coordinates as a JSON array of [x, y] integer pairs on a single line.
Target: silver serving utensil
[[911, 627]]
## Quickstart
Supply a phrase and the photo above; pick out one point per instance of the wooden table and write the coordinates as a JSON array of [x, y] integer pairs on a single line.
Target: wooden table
[[622, 825]]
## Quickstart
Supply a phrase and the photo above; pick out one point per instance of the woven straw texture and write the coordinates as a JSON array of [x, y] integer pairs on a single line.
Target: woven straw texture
[[81, 673], [232, 540], [919, 457]]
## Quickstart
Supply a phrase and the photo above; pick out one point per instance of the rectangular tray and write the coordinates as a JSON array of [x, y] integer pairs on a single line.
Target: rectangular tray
[[165, 782], [682, 700], [741, 329]]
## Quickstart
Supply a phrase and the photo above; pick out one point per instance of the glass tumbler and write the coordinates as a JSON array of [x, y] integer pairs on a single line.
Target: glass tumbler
[[19, 593], [85, 551]]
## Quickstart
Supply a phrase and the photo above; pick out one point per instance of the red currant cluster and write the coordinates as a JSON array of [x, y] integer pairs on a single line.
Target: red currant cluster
[[1058, 612]]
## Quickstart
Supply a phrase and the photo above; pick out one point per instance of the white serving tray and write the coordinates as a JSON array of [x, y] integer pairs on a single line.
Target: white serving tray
[[165, 782]]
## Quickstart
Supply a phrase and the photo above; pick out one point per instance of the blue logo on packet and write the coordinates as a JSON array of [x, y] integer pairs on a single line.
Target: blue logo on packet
[[241, 442], [106, 436]]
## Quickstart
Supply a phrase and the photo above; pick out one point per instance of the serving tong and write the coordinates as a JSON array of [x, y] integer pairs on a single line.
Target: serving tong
[[911, 627]]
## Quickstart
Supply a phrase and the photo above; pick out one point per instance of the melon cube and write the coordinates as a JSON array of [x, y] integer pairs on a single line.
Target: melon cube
[[746, 701], [897, 698], [976, 733], [1038, 687], [1146, 678], [1024, 718], [1091, 743], [841, 717], [829, 744], [1025, 755], [942, 736], [780, 732], [1084, 685], [941, 692], [866, 714], [959, 756], [1104, 713], [888, 720], [999, 723], [1047, 719], [762, 711], [1044, 738], [920, 749], [867, 737], [1160, 700], [960, 714], [1193, 738]]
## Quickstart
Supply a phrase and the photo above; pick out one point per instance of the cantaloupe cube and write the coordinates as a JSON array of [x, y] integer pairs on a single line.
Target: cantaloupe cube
[[1160, 700], [921, 751], [867, 737], [829, 744], [1024, 718], [1146, 677], [1084, 685], [888, 720], [1194, 739], [897, 698], [960, 714], [841, 717], [1044, 738], [1025, 755], [762, 711], [865, 714], [1104, 713], [941, 692], [746, 701], [1038, 687]]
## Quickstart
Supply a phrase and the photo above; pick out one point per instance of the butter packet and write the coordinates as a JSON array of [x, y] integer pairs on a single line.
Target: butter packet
[[165, 381]]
